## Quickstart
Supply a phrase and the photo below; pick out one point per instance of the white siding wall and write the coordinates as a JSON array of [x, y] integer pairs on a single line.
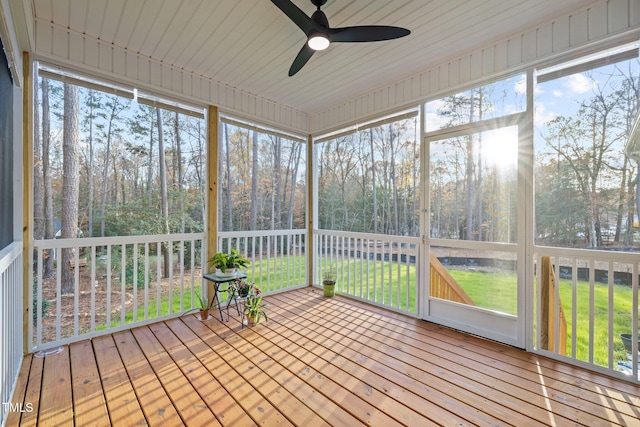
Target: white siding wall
[[611, 20], [94, 56]]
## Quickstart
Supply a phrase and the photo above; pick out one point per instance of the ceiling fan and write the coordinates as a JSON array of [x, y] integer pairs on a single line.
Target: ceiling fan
[[319, 34]]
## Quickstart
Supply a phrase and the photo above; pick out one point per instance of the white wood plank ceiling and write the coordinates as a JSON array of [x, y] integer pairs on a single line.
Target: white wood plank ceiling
[[250, 44]]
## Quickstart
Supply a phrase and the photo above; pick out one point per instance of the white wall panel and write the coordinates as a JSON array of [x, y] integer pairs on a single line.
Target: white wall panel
[[119, 62], [54, 43], [476, 67], [166, 79], [560, 34], [563, 35], [579, 28], [60, 42], [76, 49], [131, 65], [634, 13], [91, 52], [602, 22], [105, 57], [464, 70], [596, 25], [501, 57], [144, 70], [155, 74], [529, 45], [618, 17], [488, 57], [544, 40]]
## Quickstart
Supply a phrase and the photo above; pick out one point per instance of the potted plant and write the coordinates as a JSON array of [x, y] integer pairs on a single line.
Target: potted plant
[[243, 288], [227, 264], [204, 305], [254, 310], [329, 280]]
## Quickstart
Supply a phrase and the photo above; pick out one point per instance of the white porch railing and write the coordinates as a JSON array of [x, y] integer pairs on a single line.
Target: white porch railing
[[599, 294], [278, 257], [118, 283], [378, 268], [10, 322]]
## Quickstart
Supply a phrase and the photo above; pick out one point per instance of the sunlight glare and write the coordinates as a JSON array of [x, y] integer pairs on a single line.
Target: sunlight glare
[[500, 147]]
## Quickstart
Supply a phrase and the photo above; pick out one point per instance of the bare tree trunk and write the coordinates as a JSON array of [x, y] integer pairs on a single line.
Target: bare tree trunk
[[228, 169], [49, 232], [294, 178], [176, 128], [90, 173], [38, 184], [105, 176], [470, 192], [278, 181], [69, 183], [253, 214], [479, 216], [638, 189], [163, 192], [621, 195], [373, 183], [394, 186], [150, 166]]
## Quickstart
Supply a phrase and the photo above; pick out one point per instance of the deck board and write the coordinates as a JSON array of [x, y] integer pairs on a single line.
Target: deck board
[[121, 399], [317, 361], [88, 398], [192, 409], [154, 402]]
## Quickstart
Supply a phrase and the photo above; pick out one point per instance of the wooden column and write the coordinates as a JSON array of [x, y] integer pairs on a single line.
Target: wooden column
[[27, 195], [212, 191], [548, 313], [310, 249]]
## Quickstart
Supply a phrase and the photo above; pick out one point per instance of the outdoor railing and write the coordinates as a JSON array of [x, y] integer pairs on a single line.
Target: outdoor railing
[[117, 283], [380, 269], [278, 257], [443, 285], [599, 294], [10, 323]]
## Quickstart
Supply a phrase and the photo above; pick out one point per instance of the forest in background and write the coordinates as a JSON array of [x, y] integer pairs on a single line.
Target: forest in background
[[134, 169]]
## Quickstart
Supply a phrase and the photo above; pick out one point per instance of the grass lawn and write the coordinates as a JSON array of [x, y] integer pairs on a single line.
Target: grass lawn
[[498, 292]]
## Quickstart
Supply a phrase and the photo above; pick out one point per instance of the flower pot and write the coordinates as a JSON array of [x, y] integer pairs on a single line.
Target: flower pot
[[329, 288], [204, 314], [251, 320], [229, 272]]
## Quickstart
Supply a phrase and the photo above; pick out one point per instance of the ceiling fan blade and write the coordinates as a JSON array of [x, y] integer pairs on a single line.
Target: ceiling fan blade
[[295, 14], [367, 33], [303, 56]]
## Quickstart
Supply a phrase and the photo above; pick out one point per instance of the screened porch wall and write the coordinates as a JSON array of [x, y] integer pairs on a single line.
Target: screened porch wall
[[601, 23]]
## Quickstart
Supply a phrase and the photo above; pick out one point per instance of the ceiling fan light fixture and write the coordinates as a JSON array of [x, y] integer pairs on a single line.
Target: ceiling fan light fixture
[[318, 42]]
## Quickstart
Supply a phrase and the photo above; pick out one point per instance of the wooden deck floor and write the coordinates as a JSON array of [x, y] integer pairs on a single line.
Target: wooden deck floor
[[316, 362]]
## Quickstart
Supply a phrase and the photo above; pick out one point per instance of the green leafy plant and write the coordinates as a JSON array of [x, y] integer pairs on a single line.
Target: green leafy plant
[[242, 288], [329, 275], [254, 309], [203, 303], [223, 260]]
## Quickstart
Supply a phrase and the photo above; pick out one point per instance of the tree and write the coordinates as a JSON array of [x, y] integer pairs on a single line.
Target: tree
[[69, 219], [584, 142], [115, 107], [46, 173], [93, 102], [38, 182], [163, 191]]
